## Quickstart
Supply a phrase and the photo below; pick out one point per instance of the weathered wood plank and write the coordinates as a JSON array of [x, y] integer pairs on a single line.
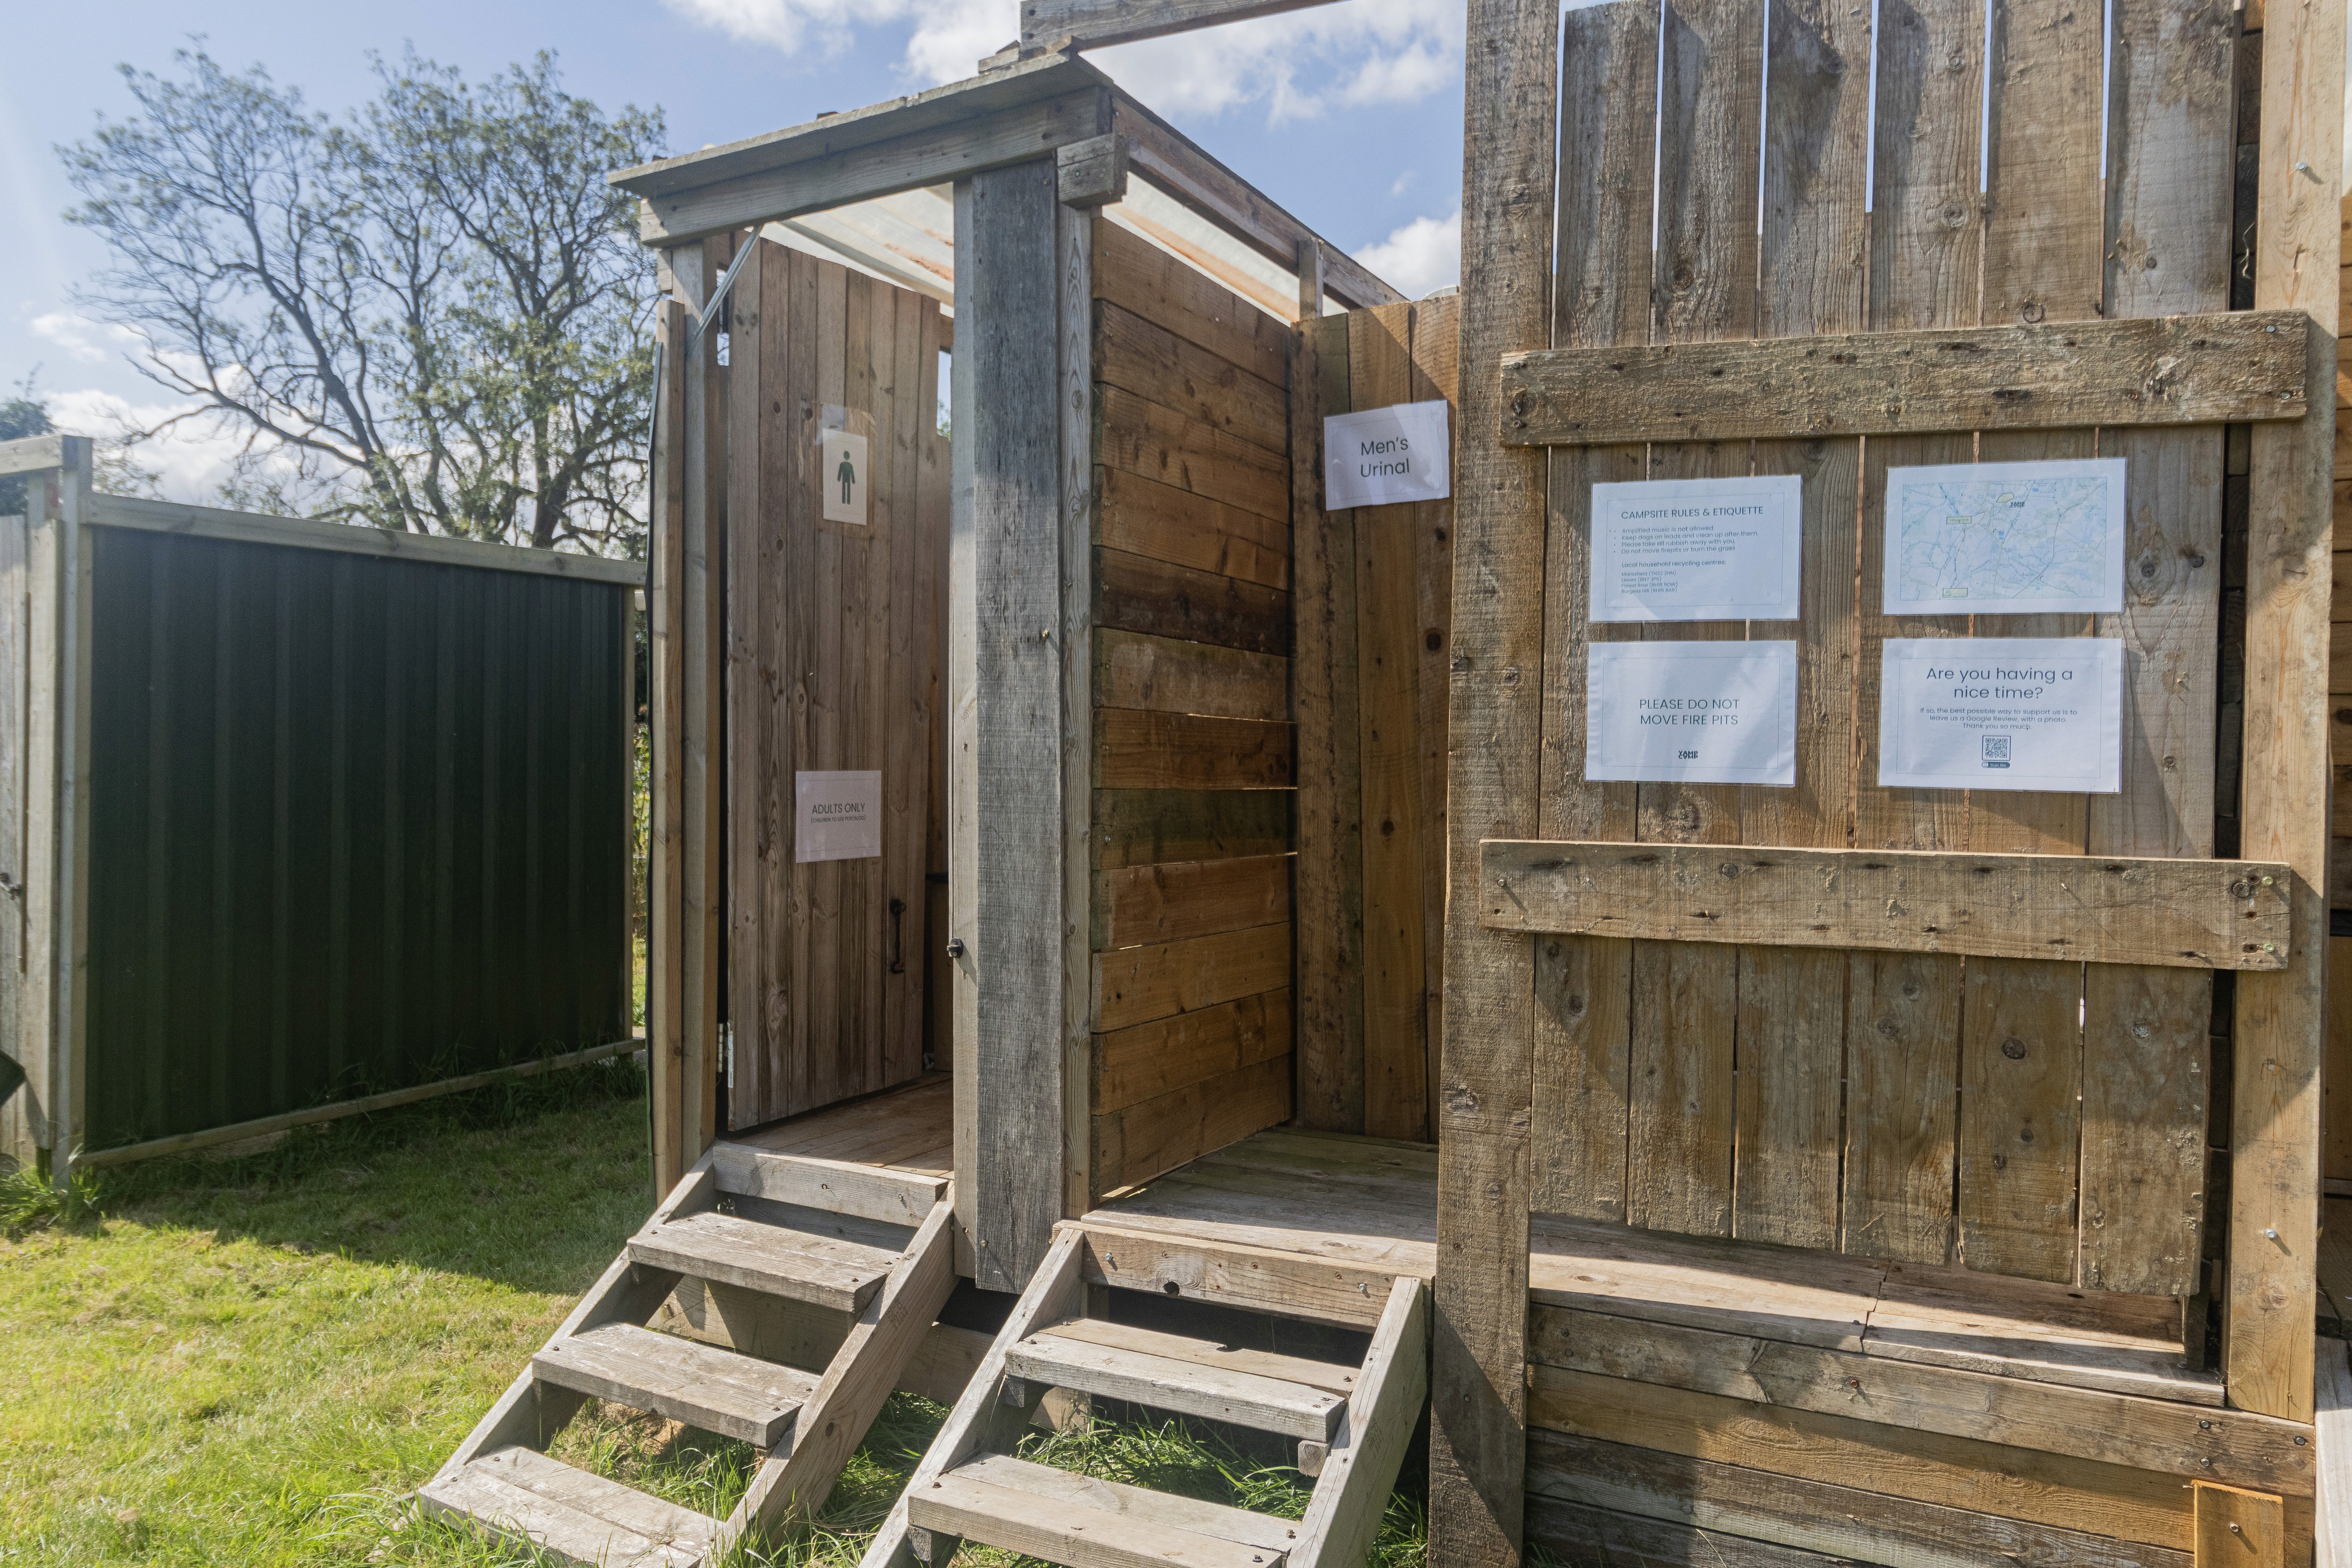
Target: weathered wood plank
[[1351, 1494], [2165, 370], [2088, 1424], [2279, 1022], [1477, 1430], [1902, 1031], [1140, 436], [1050, 26], [1163, 675], [1146, 826], [1150, 359], [1146, 1060], [1143, 516], [1159, 598], [1813, 1516], [2237, 1525], [1064, 1532], [1137, 985], [1175, 900], [2021, 1121], [1139, 1374], [1145, 280], [2227, 914], [1150, 1136], [1435, 375], [1135, 748]]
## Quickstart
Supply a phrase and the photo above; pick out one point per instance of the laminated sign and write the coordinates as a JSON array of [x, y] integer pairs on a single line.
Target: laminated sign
[[1382, 457], [836, 815], [842, 477]]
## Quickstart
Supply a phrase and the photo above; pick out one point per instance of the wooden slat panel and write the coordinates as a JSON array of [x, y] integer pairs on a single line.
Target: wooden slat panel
[[1926, 1467], [1136, 985], [1161, 443], [1147, 1060], [2240, 1527], [2184, 369], [1175, 900], [1150, 359], [1139, 749], [1435, 374], [1163, 675], [1140, 827], [1139, 1143], [1137, 594], [1139, 278], [1838, 1521], [2214, 914], [1143, 516], [1902, 1031]]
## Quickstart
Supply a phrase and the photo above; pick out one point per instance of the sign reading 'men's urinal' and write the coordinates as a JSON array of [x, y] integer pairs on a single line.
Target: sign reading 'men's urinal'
[[1386, 457]]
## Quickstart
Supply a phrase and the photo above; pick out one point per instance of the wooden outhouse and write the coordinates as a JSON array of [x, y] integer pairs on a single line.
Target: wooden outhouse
[[1754, 1174]]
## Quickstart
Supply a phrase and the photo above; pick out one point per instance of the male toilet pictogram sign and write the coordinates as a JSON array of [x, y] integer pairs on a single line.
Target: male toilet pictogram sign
[[842, 477]]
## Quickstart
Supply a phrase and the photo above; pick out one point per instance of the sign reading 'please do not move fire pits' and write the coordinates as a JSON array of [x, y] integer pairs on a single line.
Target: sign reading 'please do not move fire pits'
[[1385, 457]]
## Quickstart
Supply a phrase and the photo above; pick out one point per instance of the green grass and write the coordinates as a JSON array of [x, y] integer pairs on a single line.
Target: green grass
[[257, 1361]]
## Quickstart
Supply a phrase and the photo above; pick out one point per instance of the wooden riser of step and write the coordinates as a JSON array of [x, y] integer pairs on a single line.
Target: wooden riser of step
[[823, 1271], [1165, 1383], [524, 1496], [1083, 1522], [702, 1385]]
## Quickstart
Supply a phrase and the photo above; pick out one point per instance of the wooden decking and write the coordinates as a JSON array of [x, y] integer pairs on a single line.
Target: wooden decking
[[1319, 1224], [910, 1127]]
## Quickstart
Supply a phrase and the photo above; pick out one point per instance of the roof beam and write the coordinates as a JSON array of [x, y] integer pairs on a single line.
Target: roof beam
[[1051, 24]]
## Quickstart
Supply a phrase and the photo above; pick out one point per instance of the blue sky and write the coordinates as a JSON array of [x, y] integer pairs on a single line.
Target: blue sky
[[1349, 114]]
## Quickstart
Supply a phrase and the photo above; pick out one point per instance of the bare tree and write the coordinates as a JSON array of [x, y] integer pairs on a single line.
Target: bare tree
[[432, 316]]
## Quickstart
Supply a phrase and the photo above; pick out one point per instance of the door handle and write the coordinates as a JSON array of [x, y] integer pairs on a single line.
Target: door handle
[[897, 936]]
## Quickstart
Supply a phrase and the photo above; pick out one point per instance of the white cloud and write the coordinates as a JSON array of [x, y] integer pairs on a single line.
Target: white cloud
[[1423, 256], [189, 460], [1361, 52], [79, 338]]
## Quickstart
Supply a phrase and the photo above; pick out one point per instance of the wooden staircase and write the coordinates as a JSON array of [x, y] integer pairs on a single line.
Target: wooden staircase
[[857, 1239], [1351, 1426]]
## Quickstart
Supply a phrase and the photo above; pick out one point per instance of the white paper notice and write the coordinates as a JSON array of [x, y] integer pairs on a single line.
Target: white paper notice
[[1383, 457], [1697, 550], [1692, 713], [2005, 538], [842, 477], [837, 816], [2002, 713]]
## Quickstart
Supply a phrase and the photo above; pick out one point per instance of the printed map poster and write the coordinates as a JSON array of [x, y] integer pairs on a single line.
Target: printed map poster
[[1697, 550], [2002, 713], [1691, 712], [2006, 538], [836, 815]]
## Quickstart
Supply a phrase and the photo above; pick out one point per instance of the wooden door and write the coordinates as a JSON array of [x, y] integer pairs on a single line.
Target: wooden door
[[831, 667]]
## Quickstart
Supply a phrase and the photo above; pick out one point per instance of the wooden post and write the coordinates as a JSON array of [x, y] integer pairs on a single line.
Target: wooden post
[[2281, 1021], [1024, 920], [665, 701], [700, 769], [961, 676], [56, 790], [1481, 1111], [1075, 367]]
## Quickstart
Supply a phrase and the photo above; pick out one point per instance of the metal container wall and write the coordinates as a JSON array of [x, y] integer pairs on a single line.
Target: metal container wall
[[357, 825]]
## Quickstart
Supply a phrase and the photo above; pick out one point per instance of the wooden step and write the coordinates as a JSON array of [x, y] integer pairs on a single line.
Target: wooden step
[[1137, 1374], [702, 1385], [775, 1260], [1332, 1377], [1082, 1522], [524, 1496]]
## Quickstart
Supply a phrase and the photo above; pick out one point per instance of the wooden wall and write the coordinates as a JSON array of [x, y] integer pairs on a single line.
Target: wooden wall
[[831, 664], [1374, 605], [1190, 849], [2338, 1112]]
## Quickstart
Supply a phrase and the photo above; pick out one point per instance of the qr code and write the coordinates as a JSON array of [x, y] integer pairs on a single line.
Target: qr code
[[1996, 750]]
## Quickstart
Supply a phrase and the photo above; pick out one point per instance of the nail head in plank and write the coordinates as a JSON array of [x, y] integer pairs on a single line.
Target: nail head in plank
[[2226, 914], [2170, 369]]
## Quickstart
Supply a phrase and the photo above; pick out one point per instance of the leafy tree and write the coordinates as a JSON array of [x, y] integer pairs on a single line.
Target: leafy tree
[[433, 317], [23, 415]]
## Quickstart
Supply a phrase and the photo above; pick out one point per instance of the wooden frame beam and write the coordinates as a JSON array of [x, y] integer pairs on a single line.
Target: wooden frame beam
[[2280, 1018], [2170, 369], [2191, 914]]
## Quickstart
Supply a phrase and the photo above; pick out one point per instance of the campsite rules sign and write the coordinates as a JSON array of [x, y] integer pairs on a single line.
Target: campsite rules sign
[[837, 816], [842, 477], [1385, 457]]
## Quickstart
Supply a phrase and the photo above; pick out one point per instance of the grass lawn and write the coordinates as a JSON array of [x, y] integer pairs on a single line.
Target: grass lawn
[[257, 1361]]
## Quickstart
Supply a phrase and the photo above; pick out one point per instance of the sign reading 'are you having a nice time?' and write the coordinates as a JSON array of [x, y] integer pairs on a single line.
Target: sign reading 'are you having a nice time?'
[[1386, 457]]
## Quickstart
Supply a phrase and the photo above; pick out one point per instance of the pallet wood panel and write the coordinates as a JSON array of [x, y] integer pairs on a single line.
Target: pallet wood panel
[[1161, 598], [1166, 676], [1137, 748], [1150, 1060], [1175, 900], [1136, 516]]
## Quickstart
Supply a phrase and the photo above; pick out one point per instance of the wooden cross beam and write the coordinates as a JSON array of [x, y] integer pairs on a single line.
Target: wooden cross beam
[[1049, 27]]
